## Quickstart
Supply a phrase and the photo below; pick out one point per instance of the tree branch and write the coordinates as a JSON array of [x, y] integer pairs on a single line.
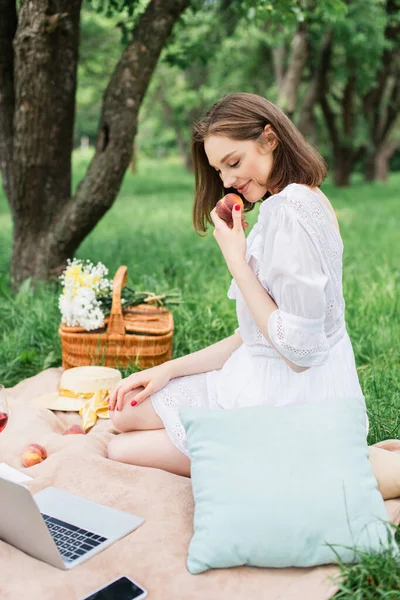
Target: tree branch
[[374, 111], [118, 125], [392, 107]]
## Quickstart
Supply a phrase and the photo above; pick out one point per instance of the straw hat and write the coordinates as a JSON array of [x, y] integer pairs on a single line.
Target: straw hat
[[84, 390]]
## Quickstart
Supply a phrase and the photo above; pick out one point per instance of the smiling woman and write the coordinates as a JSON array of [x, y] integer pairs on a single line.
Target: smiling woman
[[291, 345], [247, 144]]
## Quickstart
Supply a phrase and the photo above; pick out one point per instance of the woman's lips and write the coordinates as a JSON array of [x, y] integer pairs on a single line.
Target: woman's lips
[[244, 188]]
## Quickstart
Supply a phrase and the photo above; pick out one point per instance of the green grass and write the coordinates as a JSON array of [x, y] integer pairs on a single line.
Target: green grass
[[149, 228]]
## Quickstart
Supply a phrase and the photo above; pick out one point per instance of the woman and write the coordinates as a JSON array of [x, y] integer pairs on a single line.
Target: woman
[[291, 345]]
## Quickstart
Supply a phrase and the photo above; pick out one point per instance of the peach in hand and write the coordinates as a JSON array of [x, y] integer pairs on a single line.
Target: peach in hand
[[74, 429], [33, 454], [224, 209]]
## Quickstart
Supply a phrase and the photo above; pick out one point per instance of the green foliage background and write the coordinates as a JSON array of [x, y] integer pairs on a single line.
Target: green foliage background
[[218, 48]]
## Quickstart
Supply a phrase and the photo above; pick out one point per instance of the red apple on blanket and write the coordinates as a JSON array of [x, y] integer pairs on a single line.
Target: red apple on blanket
[[33, 454], [74, 430], [224, 209]]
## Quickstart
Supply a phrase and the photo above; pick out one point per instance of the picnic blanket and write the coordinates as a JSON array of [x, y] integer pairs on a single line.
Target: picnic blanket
[[155, 554]]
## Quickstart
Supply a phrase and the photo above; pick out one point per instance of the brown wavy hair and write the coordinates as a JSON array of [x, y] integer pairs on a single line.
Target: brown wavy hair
[[243, 116]]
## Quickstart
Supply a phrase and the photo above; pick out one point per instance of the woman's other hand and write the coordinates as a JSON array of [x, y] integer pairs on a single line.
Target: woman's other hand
[[152, 380]]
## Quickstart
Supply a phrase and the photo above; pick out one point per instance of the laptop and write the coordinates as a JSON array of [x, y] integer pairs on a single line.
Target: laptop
[[57, 527]]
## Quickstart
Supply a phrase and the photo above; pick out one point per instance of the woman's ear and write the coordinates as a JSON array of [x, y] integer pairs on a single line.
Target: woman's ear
[[270, 137]]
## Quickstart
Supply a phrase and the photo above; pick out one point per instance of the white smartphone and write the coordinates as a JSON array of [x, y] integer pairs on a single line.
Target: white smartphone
[[122, 588]]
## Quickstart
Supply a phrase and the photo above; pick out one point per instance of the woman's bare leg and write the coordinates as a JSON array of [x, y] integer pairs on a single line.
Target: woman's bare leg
[[136, 418], [149, 449], [144, 441], [386, 467], [140, 451]]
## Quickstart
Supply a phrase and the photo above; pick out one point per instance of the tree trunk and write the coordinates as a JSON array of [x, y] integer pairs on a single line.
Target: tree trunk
[[345, 154], [289, 83], [377, 164], [370, 167], [8, 26], [49, 224], [316, 87], [46, 56], [381, 105], [342, 167], [118, 124], [382, 166]]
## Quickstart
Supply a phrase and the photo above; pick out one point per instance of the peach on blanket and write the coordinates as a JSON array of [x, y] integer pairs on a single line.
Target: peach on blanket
[[154, 555]]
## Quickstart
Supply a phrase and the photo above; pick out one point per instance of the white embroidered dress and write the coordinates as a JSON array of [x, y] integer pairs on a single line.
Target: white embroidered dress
[[295, 251]]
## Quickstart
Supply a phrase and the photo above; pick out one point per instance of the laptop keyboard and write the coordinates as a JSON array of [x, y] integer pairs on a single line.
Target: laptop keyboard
[[71, 541]]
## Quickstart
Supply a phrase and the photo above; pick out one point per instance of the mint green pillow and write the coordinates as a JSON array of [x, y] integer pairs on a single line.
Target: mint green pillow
[[274, 485]]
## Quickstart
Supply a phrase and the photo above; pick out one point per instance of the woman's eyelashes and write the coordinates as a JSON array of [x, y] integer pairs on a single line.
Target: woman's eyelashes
[[236, 164]]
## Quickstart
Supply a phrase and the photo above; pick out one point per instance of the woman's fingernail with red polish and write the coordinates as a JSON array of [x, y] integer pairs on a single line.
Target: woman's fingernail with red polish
[[237, 206], [133, 403]]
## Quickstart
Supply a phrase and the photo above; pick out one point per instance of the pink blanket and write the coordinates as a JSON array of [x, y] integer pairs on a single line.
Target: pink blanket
[[155, 554]]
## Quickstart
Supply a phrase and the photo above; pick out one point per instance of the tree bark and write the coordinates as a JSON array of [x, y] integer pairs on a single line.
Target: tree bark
[[8, 26], [383, 158], [49, 224], [382, 103], [45, 56]]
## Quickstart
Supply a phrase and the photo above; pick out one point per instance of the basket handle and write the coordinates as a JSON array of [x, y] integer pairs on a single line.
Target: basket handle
[[116, 322]]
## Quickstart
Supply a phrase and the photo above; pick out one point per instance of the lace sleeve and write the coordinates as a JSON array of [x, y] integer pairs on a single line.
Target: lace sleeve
[[291, 269]]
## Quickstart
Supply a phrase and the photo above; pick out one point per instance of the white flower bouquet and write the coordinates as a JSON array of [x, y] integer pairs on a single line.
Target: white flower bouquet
[[87, 295]]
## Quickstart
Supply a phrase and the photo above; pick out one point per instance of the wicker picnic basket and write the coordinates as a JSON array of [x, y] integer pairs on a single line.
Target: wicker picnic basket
[[140, 335]]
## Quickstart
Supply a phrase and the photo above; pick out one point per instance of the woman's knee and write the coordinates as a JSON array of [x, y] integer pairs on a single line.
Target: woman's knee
[[122, 419], [118, 419]]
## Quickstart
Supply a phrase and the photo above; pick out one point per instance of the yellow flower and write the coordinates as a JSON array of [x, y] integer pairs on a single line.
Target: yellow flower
[[73, 272]]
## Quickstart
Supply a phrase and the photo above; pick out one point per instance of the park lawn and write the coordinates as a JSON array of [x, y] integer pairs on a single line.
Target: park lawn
[[149, 229]]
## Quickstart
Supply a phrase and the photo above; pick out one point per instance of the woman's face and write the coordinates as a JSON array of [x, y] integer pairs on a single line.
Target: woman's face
[[247, 167]]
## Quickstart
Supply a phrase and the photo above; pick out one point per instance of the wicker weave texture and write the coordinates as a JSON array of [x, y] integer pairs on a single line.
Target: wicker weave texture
[[142, 337]]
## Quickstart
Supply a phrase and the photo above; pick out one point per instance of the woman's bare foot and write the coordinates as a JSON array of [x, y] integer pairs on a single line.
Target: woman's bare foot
[[385, 461], [391, 445]]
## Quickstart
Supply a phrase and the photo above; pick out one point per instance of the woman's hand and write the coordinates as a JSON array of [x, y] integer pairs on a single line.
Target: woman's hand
[[151, 379], [231, 241]]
